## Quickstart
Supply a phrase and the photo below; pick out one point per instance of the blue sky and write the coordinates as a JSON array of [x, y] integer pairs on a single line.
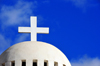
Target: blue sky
[[74, 26]]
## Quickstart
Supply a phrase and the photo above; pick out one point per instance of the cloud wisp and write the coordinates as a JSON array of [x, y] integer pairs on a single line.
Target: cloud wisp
[[17, 14], [79, 3], [83, 4], [86, 61], [4, 43], [21, 38]]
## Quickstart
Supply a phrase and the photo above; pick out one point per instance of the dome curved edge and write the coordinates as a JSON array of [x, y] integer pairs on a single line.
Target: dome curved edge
[[34, 50]]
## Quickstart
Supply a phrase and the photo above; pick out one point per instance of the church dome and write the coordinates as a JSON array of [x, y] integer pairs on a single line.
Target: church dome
[[31, 50]]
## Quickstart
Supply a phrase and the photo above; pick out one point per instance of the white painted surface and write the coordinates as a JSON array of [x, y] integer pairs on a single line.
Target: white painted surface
[[29, 62], [50, 63], [8, 63], [40, 63], [34, 50], [33, 29], [17, 62]]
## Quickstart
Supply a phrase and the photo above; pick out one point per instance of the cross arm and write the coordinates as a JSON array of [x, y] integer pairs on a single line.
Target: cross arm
[[43, 30], [24, 29]]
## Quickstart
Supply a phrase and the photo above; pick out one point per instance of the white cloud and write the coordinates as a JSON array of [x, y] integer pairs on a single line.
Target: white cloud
[[4, 43], [83, 4], [17, 14], [86, 61], [21, 37], [79, 3]]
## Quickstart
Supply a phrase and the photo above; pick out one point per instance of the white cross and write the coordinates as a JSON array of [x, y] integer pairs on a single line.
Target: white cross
[[33, 29]]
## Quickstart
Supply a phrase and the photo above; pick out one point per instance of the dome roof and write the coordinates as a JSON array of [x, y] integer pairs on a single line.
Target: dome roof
[[34, 50]]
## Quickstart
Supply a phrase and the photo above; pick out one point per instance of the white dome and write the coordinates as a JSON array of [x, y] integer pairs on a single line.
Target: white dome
[[34, 50]]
